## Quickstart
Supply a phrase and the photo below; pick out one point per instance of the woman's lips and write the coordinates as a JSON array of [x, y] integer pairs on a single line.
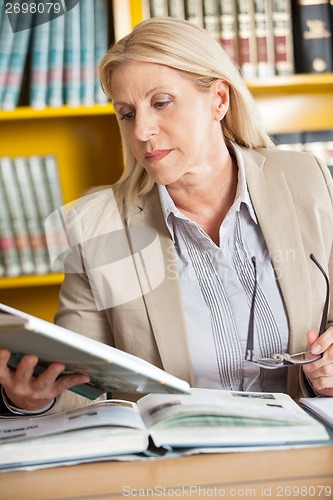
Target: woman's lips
[[157, 155]]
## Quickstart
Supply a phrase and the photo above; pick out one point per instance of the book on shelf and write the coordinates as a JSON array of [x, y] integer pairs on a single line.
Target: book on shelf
[[176, 8], [247, 39], [211, 18], [72, 57], [205, 420], [194, 12], [16, 215], [264, 38], [39, 66], [87, 63], [313, 25], [158, 8], [283, 37], [10, 258], [229, 28], [35, 229], [54, 194], [7, 38], [100, 45], [56, 62], [109, 369], [41, 190], [17, 61]]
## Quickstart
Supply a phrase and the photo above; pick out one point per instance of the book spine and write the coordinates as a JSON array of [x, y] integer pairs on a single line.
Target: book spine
[[158, 8], [86, 8], [229, 28], [16, 214], [313, 40], [194, 12], [2, 13], [72, 73], [6, 45], [41, 191], [39, 66], [56, 62], [247, 39], [15, 70], [101, 45], [176, 9], [57, 245], [264, 38], [283, 37], [212, 18], [34, 228], [8, 250]]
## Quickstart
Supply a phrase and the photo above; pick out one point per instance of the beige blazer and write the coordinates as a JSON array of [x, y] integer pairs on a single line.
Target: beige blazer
[[292, 197]]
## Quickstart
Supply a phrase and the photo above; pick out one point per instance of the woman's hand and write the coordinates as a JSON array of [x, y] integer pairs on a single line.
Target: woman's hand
[[29, 392], [320, 373]]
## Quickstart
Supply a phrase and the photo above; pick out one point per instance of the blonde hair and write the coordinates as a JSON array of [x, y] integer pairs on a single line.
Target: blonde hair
[[183, 46]]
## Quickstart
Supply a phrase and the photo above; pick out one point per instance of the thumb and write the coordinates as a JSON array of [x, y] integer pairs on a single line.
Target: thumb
[[312, 336]]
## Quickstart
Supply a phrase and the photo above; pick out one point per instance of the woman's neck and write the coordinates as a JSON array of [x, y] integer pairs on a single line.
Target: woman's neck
[[207, 200]]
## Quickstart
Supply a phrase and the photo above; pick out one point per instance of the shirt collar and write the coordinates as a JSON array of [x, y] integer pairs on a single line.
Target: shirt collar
[[242, 195]]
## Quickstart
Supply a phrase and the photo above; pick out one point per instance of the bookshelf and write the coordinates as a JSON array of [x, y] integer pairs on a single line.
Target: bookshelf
[[86, 142]]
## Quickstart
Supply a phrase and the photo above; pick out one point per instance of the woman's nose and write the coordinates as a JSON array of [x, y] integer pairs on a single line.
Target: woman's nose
[[146, 126]]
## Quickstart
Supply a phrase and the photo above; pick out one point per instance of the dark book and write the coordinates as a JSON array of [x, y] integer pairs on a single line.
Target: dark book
[[313, 45]]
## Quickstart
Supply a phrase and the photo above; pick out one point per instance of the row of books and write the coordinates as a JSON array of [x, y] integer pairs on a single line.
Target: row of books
[[318, 142], [30, 190], [58, 58], [264, 37]]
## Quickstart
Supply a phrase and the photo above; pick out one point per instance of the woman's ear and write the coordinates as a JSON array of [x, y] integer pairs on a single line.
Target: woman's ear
[[221, 97]]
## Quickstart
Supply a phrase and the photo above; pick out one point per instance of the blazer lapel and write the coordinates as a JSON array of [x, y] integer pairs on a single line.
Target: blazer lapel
[[279, 223], [160, 285]]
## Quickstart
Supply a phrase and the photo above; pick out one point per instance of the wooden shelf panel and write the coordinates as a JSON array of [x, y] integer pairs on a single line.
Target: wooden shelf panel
[[296, 103], [31, 281], [27, 113], [293, 83]]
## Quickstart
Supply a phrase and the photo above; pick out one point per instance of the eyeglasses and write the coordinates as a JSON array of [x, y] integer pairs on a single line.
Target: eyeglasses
[[280, 360]]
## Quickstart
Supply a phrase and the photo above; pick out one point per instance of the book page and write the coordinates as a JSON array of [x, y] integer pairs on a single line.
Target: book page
[[227, 418], [109, 413], [323, 407]]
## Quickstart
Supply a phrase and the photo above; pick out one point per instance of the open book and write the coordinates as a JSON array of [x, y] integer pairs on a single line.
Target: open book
[[205, 419], [321, 406], [109, 369]]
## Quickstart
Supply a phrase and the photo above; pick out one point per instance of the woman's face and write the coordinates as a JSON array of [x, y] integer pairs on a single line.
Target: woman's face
[[173, 128]]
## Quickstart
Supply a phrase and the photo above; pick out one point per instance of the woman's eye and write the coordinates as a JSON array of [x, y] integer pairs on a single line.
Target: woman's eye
[[161, 104], [127, 116]]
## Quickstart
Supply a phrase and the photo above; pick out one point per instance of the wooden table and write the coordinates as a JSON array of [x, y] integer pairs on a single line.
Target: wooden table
[[293, 474]]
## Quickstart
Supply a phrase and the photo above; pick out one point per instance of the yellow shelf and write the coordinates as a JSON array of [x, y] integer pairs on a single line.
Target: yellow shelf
[[27, 113], [31, 281], [301, 82]]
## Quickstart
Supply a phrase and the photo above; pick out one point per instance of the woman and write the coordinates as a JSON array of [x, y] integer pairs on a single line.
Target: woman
[[204, 244]]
